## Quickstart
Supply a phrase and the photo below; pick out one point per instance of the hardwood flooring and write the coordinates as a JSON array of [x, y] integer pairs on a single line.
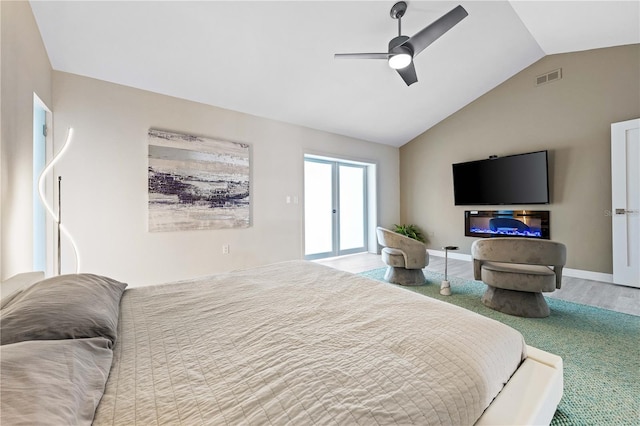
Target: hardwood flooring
[[587, 292]]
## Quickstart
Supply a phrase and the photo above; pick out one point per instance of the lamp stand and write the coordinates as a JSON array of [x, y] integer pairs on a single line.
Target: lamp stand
[[59, 253], [445, 287]]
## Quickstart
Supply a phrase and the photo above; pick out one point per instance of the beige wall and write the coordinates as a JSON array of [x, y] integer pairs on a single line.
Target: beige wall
[[571, 118], [105, 182], [25, 70]]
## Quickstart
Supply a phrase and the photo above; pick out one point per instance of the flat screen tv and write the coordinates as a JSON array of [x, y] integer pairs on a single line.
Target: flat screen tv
[[513, 179]]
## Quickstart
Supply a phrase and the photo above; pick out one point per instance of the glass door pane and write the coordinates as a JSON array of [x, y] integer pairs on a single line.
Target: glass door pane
[[352, 207], [318, 207]]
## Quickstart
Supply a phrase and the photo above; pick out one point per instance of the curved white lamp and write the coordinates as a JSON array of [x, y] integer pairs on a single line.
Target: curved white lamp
[[57, 216]]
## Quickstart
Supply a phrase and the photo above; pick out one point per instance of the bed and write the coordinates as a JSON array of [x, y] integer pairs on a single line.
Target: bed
[[289, 343]]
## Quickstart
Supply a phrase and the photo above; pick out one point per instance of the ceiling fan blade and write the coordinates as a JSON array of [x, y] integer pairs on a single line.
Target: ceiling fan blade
[[433, 31], [408, 74], [361, 56]]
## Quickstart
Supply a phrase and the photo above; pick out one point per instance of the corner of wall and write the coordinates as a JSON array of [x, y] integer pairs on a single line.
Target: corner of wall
[[21, 48]]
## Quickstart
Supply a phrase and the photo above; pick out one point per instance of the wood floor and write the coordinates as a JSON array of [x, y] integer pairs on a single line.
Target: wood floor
[[587, 292]]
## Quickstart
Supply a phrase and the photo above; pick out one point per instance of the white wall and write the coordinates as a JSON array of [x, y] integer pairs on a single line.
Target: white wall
[[105, 182], [25, 70]]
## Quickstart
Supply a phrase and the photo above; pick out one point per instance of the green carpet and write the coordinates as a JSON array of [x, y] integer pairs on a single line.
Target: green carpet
[[600, 350]]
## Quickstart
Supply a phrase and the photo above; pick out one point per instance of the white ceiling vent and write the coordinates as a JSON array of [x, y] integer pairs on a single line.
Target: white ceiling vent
[[549, 77]]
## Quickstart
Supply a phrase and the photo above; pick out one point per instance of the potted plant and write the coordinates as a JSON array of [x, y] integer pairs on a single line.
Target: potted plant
[[411, 231]]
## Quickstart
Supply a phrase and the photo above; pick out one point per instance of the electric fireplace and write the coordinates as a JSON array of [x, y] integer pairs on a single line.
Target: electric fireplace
[[507, 223]]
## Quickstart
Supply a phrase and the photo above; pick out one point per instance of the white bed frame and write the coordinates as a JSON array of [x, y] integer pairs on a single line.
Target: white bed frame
[[532, 394], [530, 397]]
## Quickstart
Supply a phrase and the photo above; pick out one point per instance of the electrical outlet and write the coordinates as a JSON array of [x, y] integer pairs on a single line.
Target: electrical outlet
[[225, 249]]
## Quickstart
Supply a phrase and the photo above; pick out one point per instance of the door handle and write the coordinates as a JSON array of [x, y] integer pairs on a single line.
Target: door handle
[[623, 211]]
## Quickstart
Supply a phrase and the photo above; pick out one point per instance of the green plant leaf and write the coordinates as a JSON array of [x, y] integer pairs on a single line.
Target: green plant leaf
[[411, 231]]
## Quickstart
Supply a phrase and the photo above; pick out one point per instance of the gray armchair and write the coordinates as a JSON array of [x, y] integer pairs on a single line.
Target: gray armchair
[[404, 256], [517, 271]]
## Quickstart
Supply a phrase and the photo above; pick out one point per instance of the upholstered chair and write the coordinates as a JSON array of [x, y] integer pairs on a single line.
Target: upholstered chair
[[404, 256], [517, 271]]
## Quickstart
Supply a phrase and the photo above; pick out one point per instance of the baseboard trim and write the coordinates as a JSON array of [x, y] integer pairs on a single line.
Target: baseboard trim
[[588, 275], [569, 272], [451, 254]]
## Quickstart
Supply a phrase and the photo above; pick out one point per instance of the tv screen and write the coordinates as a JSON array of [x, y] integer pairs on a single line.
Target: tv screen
[[514, 179]]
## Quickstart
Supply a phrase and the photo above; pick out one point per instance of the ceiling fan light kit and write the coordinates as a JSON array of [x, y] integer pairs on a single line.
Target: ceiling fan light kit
[[403, 49], [400, 60]]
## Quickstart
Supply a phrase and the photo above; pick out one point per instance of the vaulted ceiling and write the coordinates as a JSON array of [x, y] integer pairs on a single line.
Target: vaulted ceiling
[[274, 59]]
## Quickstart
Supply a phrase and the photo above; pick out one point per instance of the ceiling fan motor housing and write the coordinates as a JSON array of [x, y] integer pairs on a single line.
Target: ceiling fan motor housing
[[400, 55], [395, 45]]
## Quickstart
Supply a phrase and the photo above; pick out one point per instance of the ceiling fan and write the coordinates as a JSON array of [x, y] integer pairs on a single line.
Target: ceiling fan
[[403, 49]]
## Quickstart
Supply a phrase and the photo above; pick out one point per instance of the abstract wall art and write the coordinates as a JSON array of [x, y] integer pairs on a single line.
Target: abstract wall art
[[197, 183]]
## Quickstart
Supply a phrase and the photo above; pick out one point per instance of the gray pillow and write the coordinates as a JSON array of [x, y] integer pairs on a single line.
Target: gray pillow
[[63, 307], [53, 382]]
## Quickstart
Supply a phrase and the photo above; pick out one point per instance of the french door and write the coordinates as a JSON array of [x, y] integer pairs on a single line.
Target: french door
[[625, 181], [335, 208]]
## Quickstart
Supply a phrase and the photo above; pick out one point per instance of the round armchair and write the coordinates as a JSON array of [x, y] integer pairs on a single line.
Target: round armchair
[[517, 271], [404, 256]]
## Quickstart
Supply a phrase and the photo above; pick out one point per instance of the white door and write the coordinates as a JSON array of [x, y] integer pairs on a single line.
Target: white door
[[625, 194], [335, 208]]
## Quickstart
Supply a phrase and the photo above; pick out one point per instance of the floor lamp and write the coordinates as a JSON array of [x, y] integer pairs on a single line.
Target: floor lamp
[[57, 218]]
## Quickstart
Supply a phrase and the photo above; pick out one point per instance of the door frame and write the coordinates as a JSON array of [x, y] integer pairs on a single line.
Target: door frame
[[369, 200], [50, 191]]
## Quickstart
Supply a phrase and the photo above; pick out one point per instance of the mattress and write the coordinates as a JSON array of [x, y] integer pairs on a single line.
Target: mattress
[[301, 343]]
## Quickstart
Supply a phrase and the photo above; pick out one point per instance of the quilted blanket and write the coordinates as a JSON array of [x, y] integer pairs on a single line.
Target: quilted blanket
[[300, 343]]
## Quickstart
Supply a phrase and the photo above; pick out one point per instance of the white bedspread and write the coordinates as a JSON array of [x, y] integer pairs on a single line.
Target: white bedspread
[[300, 343]]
